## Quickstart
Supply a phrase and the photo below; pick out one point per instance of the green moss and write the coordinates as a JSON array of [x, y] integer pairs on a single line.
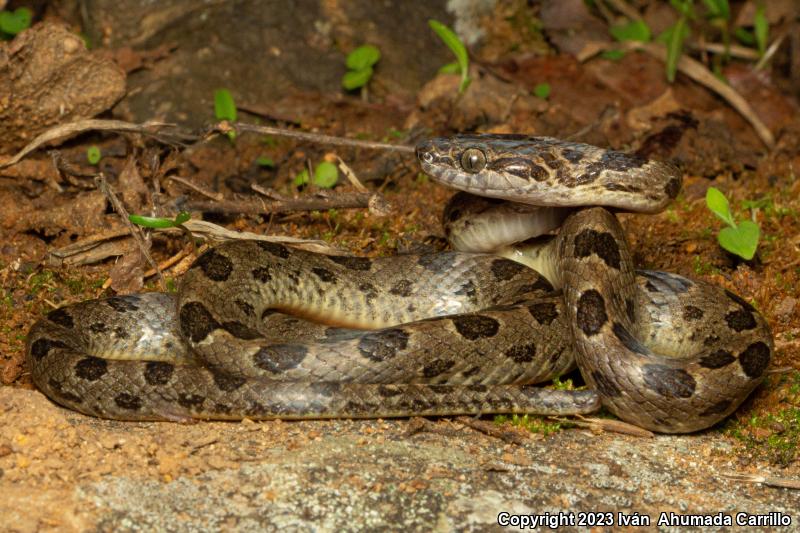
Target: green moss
[[773, 436], [533, 423]]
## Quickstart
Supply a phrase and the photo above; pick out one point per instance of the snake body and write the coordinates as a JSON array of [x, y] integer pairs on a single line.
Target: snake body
[[439, 334]]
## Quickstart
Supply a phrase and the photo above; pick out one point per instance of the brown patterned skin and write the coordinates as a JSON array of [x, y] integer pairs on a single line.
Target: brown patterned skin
[[441, 334]]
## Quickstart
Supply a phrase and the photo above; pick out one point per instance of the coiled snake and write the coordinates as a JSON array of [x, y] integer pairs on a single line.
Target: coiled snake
[[439, 334]]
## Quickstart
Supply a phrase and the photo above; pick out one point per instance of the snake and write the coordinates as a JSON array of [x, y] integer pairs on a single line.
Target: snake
[[261, 330]]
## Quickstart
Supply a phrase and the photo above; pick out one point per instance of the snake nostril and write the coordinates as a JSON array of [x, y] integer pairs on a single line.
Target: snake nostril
[[425, 151]]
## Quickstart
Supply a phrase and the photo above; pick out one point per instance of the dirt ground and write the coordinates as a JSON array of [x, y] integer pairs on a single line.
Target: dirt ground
[[62, 242]]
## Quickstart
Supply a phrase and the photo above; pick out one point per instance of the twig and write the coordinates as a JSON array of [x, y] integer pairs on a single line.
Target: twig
[[213, 195], [780, 482], [224, 127], [699, 73], [606, 424], [345, 200], [770, 51], [164, 265], [493, 430], [733, 50], [136, 232], [65, 130], [351, 176]]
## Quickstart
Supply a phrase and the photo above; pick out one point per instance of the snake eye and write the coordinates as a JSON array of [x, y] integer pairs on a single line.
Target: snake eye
[[473, 160]]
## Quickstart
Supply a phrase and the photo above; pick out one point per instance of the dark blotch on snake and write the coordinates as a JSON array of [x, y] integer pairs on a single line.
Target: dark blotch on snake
[[520, 167], [673, 187], [474, 327], [628, 340], [246, 307], [122, 304], [369, 291], [711, 340], [691, 312], [158, 372], [668, 382], [469, 290], [128, 401], [505, 269], [196, 322], [602, 244], [278, 358], [278, 250], [437, 367], [717, 409], [325, 388], [740, 320], [605, 385], [522, 353], [41, 347], [59, 391], [544, 312], [717, 359], [120, 332], [214, 265], [739, 300], [227, 382], [383, 344], [324, 274], [440, 262], [402, 287], [621, 162], [477, 387], [98, 327], [190, 400], [353, 263], [240, 331], [591, 312], [468, 373], [61, 317], [630, 309], [91, 368], [262, 274], [573, 156], [754, 359], [222, 408]]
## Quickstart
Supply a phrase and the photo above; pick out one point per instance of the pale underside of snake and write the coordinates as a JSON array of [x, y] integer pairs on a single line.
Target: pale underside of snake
[[260, 330]]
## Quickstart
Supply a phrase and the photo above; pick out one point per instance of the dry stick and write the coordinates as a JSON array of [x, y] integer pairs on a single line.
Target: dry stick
[[343, 200], [224, 127], [780, 482], [213, 195], [136, 233], [699, 73], [80, 126]]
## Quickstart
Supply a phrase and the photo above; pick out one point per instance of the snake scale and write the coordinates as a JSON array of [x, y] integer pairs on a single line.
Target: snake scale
[[261, 330]]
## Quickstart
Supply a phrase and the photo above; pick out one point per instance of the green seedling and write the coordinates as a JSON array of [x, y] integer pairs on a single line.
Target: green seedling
[[13, 22], [740, 238], [93, 155], [637, 30], [674, 36], [225, 109], [325, 176], [265, 162], [542, 90], [761, 29], [359, 64], [455, 45]]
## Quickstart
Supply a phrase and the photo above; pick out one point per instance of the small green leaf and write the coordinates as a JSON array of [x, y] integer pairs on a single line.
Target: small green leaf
[[363, 57], [718, 9], [354, 79], [542, 90], [741, 240], [301, 178], [684, 7], [761, 28], [13, 22], [326, 175], [264, 161], [673, 37], [182, 217], [93, 155], [224, 107], [636, 30], [455, 45], [744, 36], [613, 55], [450, 68], [719, 205], [152, 222]]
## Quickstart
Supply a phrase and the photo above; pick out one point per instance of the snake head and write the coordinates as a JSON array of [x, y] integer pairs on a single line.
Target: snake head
[[549, 172]]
